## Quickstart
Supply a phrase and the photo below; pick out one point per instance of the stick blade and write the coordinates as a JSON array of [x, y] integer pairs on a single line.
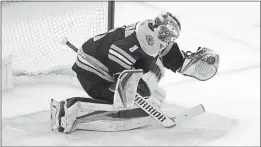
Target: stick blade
[[189, 113]]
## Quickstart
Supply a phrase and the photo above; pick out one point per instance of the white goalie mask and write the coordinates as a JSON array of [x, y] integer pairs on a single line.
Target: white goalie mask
[[156, 34], [167, 28]]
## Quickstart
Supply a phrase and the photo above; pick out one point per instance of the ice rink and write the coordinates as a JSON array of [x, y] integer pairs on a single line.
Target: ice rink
[[231, 99]]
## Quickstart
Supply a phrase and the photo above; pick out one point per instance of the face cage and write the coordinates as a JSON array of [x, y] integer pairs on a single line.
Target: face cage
[[169, 21], [165, 35]]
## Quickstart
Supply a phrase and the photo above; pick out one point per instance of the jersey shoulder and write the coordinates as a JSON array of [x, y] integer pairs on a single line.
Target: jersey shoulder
[[110, 36]]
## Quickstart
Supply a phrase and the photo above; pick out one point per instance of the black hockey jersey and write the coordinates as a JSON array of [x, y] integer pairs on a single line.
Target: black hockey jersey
[[112, 52]]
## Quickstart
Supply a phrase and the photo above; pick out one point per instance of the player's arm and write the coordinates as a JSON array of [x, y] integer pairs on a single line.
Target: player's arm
[[201, 65], [110, 36], [115, 34], [172, 57]]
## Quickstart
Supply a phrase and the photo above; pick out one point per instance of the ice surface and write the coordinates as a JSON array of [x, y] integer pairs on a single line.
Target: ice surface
[[34, 128], [231, 99]]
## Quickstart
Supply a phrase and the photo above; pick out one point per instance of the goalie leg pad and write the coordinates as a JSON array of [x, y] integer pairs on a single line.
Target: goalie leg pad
[[126, 88], [122, 120], [68, 122], [91, 114], [115, 125], [77, 107], [157, 94]]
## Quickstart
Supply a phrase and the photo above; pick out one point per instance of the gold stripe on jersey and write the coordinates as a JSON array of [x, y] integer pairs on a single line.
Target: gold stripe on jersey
[[123, 53], [92, 59], [118, 55], [117, 60], [93, 70]]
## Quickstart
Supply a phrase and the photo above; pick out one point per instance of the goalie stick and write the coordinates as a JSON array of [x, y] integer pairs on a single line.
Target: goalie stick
[[154, 112]]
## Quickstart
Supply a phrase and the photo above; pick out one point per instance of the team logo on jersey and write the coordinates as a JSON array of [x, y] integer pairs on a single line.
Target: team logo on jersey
[[150, 40]]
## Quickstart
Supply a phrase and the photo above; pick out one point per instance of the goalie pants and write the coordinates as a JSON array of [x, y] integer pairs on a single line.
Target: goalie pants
[[98, 88], [95, 86]]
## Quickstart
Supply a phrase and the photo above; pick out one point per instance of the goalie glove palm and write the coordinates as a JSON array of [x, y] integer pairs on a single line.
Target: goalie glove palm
[[201, 65]]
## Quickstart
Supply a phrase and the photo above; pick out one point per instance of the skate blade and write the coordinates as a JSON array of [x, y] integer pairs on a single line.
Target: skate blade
[[54, 108]]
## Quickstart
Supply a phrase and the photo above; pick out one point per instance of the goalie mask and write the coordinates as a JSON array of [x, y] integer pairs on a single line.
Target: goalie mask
[[155, 35], [167, 28]]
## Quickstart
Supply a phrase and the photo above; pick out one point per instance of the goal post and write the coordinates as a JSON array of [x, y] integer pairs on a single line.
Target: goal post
[[111, 14], [32, 32]]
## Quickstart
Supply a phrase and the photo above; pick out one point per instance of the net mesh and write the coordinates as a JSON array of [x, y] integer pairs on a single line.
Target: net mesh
[[32, 32]]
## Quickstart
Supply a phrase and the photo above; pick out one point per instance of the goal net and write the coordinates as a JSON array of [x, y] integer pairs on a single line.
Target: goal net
[[32, 32]]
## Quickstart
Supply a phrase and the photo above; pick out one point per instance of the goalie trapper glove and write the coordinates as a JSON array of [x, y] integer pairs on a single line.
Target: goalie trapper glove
[[201, 65]]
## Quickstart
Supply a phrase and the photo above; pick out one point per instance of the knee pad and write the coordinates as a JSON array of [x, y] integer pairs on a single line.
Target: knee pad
[[143, 89]]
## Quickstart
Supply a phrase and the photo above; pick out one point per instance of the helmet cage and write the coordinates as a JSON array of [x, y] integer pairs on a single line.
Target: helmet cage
[[168, 27]]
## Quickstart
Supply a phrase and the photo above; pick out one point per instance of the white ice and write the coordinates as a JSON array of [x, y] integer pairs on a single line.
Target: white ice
[[231, 99]]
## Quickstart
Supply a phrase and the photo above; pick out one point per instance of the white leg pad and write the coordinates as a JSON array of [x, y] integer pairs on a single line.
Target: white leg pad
[[101, 117], [70, 117], [116, 125]]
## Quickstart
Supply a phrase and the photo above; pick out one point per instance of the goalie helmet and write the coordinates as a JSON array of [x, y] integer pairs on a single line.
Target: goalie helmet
[[156, 34], [167, 28]]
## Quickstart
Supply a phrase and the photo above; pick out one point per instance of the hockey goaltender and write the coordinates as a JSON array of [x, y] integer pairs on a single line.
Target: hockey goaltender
[[120, 71]]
